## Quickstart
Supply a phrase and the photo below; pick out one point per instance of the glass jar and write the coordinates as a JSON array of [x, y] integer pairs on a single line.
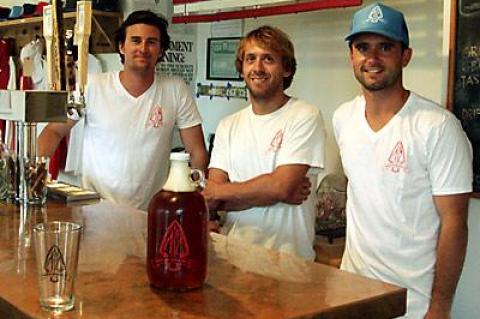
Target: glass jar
[[177, 230], [7, 173]]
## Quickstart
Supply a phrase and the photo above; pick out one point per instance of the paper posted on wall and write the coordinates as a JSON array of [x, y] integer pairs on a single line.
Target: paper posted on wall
[[180, 59]]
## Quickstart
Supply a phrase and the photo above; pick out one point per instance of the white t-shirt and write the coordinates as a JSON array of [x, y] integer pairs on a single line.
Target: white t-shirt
[[33, 51], [392, 223], [247, 145], [128, 139]]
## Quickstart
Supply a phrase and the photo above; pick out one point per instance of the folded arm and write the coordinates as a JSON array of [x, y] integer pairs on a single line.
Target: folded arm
[[287, 184]]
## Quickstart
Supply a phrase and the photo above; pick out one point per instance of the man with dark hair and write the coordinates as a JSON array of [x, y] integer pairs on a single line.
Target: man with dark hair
[[409, 169], [130, 118], [143, 17], [264, 155]]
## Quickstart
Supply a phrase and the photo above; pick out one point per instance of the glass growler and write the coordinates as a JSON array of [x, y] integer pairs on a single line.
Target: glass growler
[[177, 230]]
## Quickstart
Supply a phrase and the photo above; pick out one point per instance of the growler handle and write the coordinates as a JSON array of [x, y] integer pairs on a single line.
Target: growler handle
[[201, 181]]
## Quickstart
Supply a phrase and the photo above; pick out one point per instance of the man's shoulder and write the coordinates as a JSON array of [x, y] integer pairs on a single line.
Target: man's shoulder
[[102, 78], [300, 106], [428, 111], [170, 81], [346, 109], [237, 116], [420, 102]]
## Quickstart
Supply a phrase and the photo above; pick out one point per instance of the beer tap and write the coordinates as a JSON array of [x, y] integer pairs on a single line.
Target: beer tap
[[70, 70], [28, 107], [53, 34], [83, 27]]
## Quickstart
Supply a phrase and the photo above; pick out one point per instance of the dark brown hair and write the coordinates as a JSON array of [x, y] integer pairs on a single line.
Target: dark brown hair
[[143, 17]]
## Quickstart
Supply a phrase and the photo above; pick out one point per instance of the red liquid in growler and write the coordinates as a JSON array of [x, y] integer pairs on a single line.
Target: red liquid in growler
[[177, 237]]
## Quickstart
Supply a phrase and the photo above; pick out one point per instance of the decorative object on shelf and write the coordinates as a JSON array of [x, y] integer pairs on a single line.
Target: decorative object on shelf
[[15, 12], [28, 10], [227, 91], [331, 200], [4, 13], [221, 55], [104, 25]]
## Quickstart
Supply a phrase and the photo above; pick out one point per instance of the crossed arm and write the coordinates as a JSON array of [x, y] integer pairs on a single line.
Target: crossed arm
[[451, 249], [287, 184]]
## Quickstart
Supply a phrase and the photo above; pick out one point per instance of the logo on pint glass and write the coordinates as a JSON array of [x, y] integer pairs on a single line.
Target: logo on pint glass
[[156, 117], [174, 250], [397, 160], [54, 265]]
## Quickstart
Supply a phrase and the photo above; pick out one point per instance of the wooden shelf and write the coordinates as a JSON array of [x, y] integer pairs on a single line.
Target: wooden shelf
[[104, 24]]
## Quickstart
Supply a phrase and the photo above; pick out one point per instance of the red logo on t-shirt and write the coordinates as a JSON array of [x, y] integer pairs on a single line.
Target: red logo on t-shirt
[[156, 117], [397, 159], [276, 142]]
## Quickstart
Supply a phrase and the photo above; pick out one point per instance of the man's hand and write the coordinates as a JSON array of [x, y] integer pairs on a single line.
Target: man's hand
[[209, 194], [213, 226], [300, 194], [432, 314]]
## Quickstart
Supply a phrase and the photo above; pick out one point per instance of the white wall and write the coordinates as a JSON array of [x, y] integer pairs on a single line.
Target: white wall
[[324, 77], [9, 3]]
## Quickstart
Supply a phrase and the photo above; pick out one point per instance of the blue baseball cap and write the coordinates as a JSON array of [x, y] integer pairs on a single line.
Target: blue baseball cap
[[379, 19]]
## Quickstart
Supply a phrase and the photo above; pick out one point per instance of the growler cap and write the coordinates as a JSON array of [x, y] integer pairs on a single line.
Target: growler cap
[[179, 156], [379, 19]]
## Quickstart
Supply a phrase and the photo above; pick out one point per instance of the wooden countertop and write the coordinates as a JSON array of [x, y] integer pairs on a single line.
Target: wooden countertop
[[244, 281]]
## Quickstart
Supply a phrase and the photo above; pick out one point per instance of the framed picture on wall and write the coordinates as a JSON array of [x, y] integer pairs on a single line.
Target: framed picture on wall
[[221, 53]]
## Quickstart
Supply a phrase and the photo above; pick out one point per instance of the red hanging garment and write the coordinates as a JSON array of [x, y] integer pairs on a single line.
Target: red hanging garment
[[5, 49], [59, 158]]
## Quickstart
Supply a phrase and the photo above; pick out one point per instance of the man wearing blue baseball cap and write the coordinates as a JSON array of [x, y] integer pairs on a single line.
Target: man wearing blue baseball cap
[[409, 169]]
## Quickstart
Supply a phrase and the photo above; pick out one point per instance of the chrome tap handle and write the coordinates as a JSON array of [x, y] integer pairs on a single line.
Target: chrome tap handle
[[75, 105]]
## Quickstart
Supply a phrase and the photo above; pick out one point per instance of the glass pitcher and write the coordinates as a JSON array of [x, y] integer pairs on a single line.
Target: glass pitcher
[[177, 229]]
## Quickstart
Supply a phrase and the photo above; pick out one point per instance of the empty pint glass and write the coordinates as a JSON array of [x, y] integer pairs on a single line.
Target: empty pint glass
[[56, 250]]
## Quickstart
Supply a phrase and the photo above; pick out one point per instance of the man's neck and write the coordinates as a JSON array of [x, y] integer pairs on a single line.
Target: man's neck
[[381, 106], [135, 83], [268, 105]]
